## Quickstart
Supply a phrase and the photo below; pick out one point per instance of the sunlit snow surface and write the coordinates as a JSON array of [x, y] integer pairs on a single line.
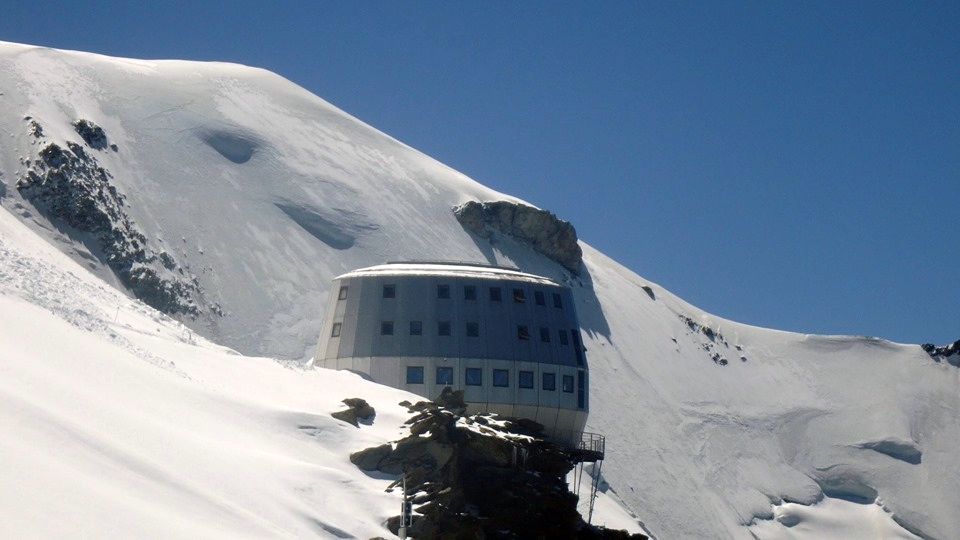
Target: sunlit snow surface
[[266, 192], [831, 519]]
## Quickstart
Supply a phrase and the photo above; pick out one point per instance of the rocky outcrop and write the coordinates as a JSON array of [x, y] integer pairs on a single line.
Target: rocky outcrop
[[358, 410], [950, 352], [481, 476], [545, 232], [70, 187], [91, 133]]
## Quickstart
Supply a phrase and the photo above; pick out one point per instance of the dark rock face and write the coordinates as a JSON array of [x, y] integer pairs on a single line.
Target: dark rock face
[[481, 476], [69, 186], [545, 232], [91, 133], [358, 410], [950, 352]]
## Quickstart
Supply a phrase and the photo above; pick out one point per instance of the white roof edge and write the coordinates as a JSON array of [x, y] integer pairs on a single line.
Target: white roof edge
[[451, 270]]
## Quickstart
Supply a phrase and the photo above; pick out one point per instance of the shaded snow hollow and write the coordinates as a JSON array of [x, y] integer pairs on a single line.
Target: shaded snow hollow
[[289, 192]]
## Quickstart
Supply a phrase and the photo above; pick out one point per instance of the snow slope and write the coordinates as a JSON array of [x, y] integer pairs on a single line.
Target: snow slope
[[264, 192]]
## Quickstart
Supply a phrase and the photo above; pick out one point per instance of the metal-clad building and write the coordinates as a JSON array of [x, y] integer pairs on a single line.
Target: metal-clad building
[[510, 340]]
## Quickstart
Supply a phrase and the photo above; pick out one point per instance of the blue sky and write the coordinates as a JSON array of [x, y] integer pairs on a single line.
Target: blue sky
[[786, 164]]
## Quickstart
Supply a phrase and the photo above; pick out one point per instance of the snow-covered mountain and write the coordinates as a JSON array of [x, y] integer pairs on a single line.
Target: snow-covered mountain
[[230, 197]]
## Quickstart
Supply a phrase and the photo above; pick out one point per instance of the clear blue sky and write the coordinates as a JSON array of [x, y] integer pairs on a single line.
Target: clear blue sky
[[786, 164]]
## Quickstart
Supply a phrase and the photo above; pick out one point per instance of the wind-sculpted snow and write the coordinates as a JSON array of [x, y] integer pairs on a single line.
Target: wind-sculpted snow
[[265, 192]]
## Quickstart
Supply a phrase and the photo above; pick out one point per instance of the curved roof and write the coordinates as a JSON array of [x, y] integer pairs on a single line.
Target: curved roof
[[450, 269]]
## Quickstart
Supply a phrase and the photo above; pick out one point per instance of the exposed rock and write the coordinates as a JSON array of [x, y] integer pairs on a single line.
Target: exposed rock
[[481, 476], [649, 290], [91, 133], [545, 232], [950, 352], [69, 186], [358, 410]]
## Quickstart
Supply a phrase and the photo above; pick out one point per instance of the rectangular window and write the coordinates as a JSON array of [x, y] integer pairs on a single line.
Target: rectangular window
[[386, 328], [443, 328], [523, 333], [568, 384], [494, 294], [581, 389], [336, 329], [444, 375], [473, 329], [343, 294], [518, 296], [525, 379], [469, 292], [473, 376], [549, 381], [538, 297], [557, 302], [389, 291], [563, 337], [414, 374], [416, 328], [501, 377], [545, 335], [443, 291]]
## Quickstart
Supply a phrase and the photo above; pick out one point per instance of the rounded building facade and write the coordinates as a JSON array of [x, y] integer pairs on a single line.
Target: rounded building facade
[[508, 339]]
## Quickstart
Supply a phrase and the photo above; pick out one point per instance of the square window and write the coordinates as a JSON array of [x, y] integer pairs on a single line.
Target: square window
[[523, 332], [336, 329], [473, 329], [494, 294], [443, 328], [501, 377], [563, 337], [416, 328], [469, 292], [389, 291], [525, 379], [473, 376], [444, 375], [518, 296], [545, 335], [443, 291], [538, 297], [386, 328], [549, 381], [414, 374], [557, 302], [568, 384], [343, 294]]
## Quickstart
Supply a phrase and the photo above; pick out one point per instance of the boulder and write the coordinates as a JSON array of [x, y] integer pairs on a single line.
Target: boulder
[[358, 410]]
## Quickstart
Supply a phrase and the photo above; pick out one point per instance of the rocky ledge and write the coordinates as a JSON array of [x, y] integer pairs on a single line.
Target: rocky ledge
[[950, 352], [545, 232], [70, 187], [481, 476]]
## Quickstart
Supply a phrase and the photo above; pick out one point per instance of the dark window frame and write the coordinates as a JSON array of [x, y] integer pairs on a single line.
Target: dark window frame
[[567, 384], [389, 291], [552, 378], [523, 332], [470, 293], [496, 294], [416, 328], [444, 325], [443, 291], [336, 330], [386, 328], [539, 298], [447, 381], [522, 375], [564, 340], [411, 370], [470, 371], [519, 296], [504, 381], [342, 295], [557, 301], [472, 329]]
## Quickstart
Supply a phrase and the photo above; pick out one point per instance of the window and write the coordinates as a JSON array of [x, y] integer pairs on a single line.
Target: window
[[386, 328], [545, 335], [414, 374], [518, 296], [443, 328], [473, 329], [581, 389], [443, 291], [549, 381], [469, 292], [523, 333], [336, 329], [389, 291], [444, 375], [343, 294], [563, 337], [525, 379], [473, 376], [416, 328], [568, 384], [494, 294], [501, 377], [557, 302], [538, 297]]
